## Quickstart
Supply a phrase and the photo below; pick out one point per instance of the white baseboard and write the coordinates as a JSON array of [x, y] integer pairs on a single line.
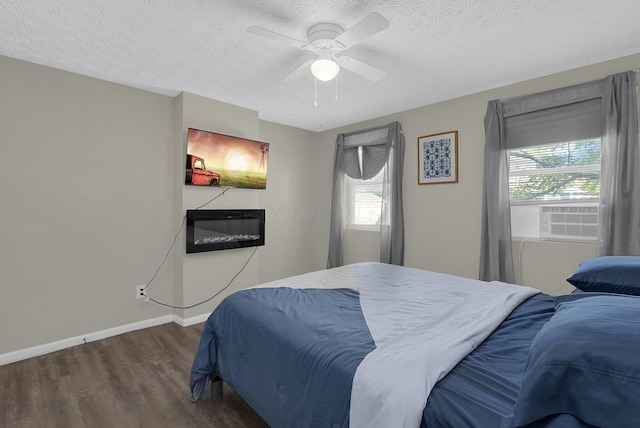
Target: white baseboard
[[190, 321], [36, 351]]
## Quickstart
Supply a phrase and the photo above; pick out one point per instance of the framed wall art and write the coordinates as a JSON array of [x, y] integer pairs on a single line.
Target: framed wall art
[[438, 158]]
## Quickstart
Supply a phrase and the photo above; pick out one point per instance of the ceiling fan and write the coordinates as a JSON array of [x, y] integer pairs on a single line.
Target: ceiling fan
[[327, 40]]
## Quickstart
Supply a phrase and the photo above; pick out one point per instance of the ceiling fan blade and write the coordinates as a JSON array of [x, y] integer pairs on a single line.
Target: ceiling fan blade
[[366, 27], [299, 72], [277, 36], [359, 67]]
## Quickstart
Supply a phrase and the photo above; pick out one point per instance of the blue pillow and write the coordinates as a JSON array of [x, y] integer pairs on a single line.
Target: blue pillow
[[612, 274], [585, 362]]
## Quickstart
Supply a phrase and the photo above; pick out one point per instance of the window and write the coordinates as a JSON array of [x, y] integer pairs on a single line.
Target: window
[[554, 190], [364, 202], [375, 158]]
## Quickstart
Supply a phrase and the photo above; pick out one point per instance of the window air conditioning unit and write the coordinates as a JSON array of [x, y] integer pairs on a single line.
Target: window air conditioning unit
[[569, 222]]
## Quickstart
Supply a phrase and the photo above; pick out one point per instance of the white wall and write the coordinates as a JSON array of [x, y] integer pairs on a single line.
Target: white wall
[[442, 221]]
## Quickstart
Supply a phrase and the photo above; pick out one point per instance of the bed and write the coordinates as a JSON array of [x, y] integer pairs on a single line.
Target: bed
[[377, 345]]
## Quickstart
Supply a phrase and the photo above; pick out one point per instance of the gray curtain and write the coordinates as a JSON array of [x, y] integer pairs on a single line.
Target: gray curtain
[[392, 222], [603, 108], [335, 229], [496, 257], [379, 146], [619, 215]]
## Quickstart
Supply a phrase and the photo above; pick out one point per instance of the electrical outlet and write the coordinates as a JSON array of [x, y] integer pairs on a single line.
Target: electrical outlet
[[140, 292]]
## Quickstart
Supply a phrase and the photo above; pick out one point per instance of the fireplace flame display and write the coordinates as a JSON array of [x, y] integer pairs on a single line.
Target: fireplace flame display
[[225, 238]]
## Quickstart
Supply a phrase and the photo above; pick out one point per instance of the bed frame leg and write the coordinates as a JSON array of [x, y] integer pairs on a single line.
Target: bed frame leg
[[216, 387]]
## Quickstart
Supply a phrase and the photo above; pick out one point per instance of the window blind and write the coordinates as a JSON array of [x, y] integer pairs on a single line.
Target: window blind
[[572, 113]]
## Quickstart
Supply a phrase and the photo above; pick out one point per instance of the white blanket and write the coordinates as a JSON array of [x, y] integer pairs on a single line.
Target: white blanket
[[423, 324]]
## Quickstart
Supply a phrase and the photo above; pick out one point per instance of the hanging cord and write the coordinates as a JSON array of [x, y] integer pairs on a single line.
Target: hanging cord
[[337, 71], [216, 294], [226, 189], [315, 92], [315, 84]]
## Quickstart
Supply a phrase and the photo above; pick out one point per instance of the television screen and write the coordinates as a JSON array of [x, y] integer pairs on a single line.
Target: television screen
[[221, 160]]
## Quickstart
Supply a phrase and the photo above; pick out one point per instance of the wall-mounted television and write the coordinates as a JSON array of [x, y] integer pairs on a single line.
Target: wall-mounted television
[[215, 159]]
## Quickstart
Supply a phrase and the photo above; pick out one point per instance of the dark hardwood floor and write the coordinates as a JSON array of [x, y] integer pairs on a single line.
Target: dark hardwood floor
[[137, 379]]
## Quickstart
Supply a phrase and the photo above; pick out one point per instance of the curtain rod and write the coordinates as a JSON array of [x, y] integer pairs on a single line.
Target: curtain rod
[[586, 82], [375, 128]]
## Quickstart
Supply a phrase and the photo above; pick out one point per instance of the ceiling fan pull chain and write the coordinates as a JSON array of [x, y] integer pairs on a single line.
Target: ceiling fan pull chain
[[315, 92]]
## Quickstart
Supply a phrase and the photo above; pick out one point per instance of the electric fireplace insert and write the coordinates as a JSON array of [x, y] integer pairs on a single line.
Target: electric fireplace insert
[[212, 230]]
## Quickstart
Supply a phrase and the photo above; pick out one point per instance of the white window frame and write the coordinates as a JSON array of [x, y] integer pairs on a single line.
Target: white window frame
[[351, 186], [518, 206]]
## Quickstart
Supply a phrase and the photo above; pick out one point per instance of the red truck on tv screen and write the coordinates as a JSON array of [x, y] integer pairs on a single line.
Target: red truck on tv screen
[[198, 174]]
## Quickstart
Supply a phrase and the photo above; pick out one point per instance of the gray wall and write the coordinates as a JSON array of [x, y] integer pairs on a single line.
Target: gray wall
[[91, 184], [87, 203]]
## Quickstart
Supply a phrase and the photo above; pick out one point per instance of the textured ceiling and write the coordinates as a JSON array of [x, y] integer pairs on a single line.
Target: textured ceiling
[[432, 51]]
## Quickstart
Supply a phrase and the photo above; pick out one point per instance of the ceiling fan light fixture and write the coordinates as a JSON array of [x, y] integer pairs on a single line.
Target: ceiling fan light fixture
[[325, 68]]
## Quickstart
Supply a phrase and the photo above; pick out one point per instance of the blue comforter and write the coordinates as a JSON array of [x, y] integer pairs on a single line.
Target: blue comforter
[[308, 383], [302, 376], [311, 387]]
